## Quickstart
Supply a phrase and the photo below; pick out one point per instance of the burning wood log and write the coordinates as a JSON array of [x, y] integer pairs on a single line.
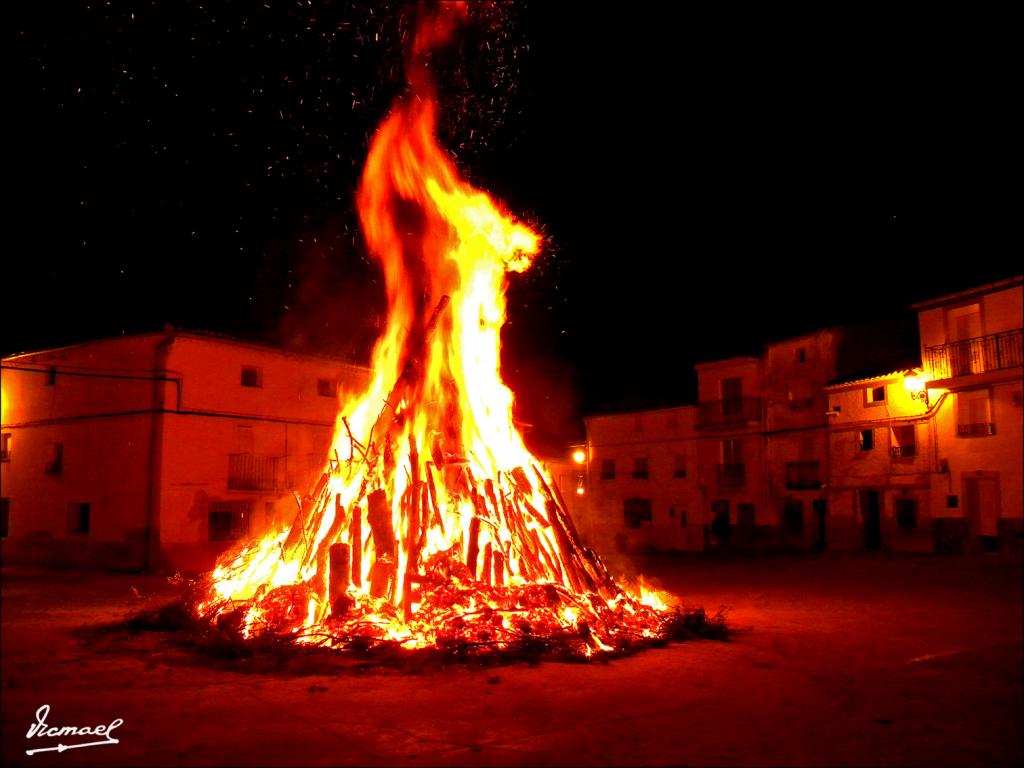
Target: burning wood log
[[498, 561], [521, 480], [473, 545], [341, 567], [485, 568], [436, 518], [378, 515], [297, 534], [355, 537], [412, 546], [410, 369], [319, 553]]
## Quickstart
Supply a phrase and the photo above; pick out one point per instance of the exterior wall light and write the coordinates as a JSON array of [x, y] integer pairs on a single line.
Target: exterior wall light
[[916, 386]]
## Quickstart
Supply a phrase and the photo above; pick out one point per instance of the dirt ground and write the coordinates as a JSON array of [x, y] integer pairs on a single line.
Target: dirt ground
[[845, 660]]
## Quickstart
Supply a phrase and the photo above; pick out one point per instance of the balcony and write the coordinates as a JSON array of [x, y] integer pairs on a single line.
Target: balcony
[[728, 414], [732, 475], [802, 475], [980, 354], [252, 472], [982, 429], [903, 451]]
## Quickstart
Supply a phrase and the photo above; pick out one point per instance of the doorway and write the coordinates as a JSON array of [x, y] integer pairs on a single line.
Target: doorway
[[871, 512], [981, 507]]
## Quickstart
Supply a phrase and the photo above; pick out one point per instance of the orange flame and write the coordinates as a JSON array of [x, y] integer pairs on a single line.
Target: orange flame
[[435, 518]]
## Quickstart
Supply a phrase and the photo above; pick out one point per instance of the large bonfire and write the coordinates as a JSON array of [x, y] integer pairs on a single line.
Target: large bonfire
[[432, 525]]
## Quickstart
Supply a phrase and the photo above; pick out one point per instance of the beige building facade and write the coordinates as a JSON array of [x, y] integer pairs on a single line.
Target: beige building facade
[[158, 450], [784, 452]]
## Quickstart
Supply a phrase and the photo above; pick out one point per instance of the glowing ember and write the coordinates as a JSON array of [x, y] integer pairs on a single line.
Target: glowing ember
[[433, 525]]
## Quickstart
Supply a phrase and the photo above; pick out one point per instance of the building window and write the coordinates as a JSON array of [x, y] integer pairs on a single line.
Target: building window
[[229, 520], [608, 469], [732, 470], [5, 446], [680, 467], [680, 513], [326, 387], [803, 475], [801, 355], [55, 461], [640, 468], [866, 439], [906, 513], [51, 376], [904, 442], [952, 502], [793, 517], [876, 394], [636, 512], [732, 396], [5, 516], [253, 472], [974, 414], [252, 377], [78, 517]]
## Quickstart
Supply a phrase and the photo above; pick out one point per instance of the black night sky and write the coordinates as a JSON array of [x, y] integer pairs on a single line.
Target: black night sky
[[706, 183]]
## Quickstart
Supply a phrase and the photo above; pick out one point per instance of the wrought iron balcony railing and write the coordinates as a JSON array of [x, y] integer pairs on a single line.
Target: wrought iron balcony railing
[[732, 475], [982, 429], [802, 475], [976, 355], [725, 414], [903, 451], [252, 472]]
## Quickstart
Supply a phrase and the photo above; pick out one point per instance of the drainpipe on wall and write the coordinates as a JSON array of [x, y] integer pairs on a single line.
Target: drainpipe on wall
[[152, 546]]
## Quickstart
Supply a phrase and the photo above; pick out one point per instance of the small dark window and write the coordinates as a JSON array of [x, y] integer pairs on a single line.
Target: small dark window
[[5, 446], [952, 502], [637, 511], [229, 520], [51, 377], [326, 387], [801, 355], [680, 468], [608, 469], [876, 394], [5, 515], [55, 462], [906, 513], [78, 517], [640, 468], [866, 438], [252, 377], [682, 518]]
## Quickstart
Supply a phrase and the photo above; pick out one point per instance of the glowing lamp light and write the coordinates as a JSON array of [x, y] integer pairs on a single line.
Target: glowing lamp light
[[579, 456], [579, 490], [916, 386]]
